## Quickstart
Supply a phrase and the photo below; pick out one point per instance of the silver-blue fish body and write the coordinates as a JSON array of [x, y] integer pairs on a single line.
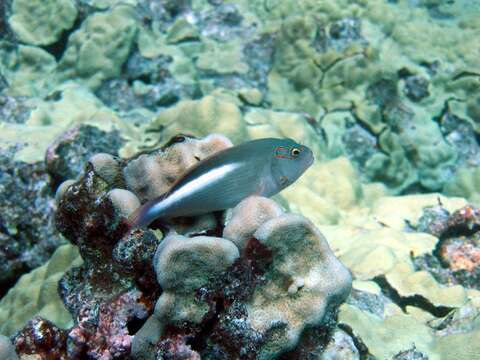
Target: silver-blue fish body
[[227, 177]]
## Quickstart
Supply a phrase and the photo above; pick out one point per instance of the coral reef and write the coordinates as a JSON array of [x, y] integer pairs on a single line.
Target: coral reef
[[206, 284], [385, 93], [252, 317]]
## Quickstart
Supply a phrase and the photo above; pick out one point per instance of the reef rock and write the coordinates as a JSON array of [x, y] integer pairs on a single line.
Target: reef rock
[[257, 305], [66, 156], [273, 290], [27, 234]]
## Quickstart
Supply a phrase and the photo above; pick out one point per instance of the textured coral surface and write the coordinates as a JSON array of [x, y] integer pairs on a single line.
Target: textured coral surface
[[385, 93]]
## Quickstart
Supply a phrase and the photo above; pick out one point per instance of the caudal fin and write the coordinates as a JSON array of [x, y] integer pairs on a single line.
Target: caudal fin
[[135, 220]]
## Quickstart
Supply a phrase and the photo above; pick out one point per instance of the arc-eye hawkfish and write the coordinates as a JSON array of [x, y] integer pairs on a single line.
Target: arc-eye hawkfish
[[259, 167]]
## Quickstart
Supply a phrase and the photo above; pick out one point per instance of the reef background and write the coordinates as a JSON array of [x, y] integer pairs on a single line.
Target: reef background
[[386, 93]]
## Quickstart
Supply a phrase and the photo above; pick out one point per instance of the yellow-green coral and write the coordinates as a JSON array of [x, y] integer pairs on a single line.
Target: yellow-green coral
[[42, 22], [414, 327], [266, 123], [99, 48], [380, 244], [396, 332], [29, 70], [36, 294], [199, 118], [465, 183], [51, 118], [332, 188]]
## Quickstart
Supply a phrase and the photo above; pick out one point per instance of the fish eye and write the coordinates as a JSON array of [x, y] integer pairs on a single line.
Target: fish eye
[[295, 152]]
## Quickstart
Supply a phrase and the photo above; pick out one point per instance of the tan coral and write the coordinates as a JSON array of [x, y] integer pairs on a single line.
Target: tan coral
[[303, 280], [125, 202], [62, 188], [106, 166], [247, 217], [151, 175], [182, 265]]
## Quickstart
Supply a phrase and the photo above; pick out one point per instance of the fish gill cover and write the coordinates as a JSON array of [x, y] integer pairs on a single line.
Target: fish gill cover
[[385, 93]]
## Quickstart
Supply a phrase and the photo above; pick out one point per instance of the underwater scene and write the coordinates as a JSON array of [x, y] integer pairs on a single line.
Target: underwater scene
[[240, 179]]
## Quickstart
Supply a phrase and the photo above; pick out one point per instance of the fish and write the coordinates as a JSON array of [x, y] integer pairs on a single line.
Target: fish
[[261, 167]]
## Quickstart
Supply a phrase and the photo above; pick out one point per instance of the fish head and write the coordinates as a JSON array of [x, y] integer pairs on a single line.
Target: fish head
[[290, 161]]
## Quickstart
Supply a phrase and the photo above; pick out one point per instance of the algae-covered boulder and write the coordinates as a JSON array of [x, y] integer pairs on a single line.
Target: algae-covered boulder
[[33, 23]]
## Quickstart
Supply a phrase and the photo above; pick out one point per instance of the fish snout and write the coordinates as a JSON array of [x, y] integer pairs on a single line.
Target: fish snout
[[309, 159]]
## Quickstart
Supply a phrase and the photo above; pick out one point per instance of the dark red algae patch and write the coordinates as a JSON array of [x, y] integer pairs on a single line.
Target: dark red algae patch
[[239, 281], [43, 338], [225, 332]]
